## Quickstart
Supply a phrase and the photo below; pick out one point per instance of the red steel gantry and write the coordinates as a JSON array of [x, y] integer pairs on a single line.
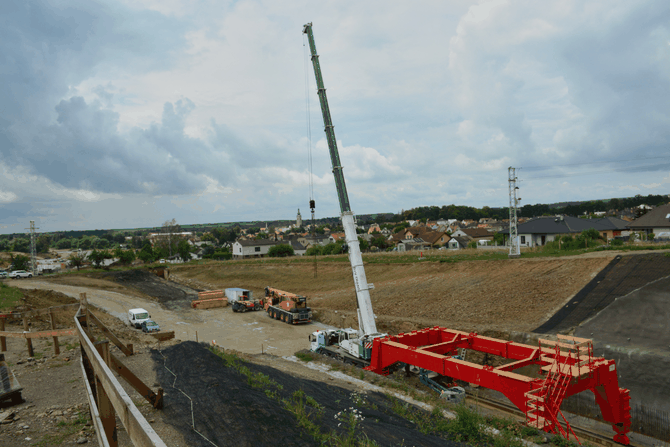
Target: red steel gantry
[[566, 367]]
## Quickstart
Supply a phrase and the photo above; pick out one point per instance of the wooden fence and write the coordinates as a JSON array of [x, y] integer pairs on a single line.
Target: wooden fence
[[107, 398]]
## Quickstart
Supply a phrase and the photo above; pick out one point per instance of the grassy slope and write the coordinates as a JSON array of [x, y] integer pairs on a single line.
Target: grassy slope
[[10, 297]]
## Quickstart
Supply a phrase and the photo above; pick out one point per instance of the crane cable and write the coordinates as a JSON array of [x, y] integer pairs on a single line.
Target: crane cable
[[309, 124], [309, 150]]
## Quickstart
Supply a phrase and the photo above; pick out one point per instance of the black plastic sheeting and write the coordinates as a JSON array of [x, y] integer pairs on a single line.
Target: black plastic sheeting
[[619, 278], [229, 412]]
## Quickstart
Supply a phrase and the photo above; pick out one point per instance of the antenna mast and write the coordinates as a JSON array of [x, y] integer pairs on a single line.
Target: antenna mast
[[514, 248], [33, 256]]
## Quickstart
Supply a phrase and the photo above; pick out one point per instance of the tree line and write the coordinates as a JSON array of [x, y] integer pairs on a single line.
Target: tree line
[[461, 212]]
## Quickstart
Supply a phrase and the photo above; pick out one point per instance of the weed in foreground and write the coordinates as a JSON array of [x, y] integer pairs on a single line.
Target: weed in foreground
[[305, 357]]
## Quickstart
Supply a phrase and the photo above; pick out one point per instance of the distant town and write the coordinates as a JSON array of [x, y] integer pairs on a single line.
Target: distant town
[[450, 227]]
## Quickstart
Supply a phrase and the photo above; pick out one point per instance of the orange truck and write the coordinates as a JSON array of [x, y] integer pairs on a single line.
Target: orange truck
[[287, 307]]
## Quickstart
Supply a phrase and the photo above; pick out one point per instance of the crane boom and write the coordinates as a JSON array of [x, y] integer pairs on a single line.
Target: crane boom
[[366, 318]]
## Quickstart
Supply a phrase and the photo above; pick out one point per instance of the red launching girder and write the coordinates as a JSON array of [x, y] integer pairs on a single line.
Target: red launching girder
[[568, 365]]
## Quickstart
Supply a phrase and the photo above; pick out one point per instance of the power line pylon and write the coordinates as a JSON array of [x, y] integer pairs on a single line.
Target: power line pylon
[[33, 256], [514, 247]]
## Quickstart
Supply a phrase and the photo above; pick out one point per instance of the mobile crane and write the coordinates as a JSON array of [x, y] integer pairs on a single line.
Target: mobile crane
[[347, 344]]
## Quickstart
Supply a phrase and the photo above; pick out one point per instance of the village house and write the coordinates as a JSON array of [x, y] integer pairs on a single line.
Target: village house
[[537, 232], [656, 221], [257, 248], [476, 234], [458, 242]]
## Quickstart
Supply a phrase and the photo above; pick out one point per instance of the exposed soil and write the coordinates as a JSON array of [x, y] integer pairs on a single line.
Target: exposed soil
[[507, 295]]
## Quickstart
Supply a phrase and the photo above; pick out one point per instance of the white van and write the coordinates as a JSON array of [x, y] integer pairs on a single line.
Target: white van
[[138, 316]]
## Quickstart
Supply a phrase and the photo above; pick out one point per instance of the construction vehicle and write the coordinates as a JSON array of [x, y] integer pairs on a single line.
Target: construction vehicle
[[349, 344], [245, 305], [242, 300], [286, 306]]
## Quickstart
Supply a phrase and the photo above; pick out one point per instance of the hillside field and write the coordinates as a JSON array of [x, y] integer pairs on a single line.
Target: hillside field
[[484, 295]]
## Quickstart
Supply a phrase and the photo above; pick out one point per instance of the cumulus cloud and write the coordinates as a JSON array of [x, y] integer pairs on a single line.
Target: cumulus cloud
[[197, 110]]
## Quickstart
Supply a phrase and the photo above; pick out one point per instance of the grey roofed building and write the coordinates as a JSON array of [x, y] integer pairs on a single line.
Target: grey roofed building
[[413, 244], [655, 221], [298, 248], [539, 231], [457, 242]]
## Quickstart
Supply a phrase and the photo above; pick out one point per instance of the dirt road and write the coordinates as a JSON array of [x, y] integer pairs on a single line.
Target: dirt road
[[250, 332]]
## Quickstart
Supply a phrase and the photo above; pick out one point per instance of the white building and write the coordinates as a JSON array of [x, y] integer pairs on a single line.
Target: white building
[[253, 248]]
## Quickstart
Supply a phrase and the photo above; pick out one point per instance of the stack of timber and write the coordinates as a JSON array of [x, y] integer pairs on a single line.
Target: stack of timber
[[210, 299]]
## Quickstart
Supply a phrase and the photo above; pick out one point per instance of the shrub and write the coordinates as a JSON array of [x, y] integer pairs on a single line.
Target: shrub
[[280, 251], [314, 250]]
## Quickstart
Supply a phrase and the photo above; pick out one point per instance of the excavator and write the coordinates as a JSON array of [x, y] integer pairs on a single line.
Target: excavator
[[349, 345]]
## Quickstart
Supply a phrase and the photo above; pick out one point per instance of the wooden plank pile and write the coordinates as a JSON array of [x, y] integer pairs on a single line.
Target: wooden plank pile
[[210, 299]]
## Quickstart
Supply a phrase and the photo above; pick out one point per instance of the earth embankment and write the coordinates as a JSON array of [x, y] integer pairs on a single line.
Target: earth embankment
[[504, 295]]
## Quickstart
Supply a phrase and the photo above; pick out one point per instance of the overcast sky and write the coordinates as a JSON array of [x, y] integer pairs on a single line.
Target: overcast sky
[[129, 113]]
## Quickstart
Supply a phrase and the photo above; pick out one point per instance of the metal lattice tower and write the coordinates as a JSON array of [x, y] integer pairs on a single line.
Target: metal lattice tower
[[33, 256], [514, 248]]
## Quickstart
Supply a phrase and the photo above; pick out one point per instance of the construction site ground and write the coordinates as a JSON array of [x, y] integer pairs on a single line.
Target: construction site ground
[[499, 298]]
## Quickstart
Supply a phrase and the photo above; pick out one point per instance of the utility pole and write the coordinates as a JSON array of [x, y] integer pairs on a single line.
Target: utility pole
[[33, 256], [514, 248]]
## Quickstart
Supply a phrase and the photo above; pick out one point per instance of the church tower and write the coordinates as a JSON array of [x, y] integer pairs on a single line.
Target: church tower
[[298, 220]]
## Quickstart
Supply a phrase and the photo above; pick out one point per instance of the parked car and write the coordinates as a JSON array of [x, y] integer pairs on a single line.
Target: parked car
[[150, 326], [138, 316], [16, 274], [4, 275]]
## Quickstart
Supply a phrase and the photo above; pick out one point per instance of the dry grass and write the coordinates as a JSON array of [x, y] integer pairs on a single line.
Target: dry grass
[[488, 294]]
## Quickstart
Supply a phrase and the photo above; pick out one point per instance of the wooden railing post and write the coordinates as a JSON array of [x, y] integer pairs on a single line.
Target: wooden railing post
[[3, 340], [29, 341], [53, 326], [84, 305], [107, 413]]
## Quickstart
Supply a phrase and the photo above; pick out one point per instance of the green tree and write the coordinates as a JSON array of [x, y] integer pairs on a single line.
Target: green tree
[[363, 244], [77, 260], [184, 250], [332, 249], [314, 250], [380, 242], [84, 243], [145, 256], [99, 256], [208, 237], [591, 233], [64, 244], [147, 253], [43, 243], [499, 239], [21, 244], [472, 244], [125, 256], [20, 262], [280, 251], [222, 254]]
